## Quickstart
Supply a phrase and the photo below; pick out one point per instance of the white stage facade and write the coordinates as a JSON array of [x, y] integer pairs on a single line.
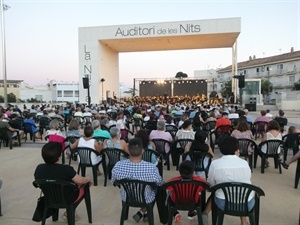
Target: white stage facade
[[99, 48]]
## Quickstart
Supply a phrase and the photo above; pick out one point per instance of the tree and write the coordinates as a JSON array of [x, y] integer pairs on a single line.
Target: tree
[[131, 91], [266, 88], [32, 100], [227, 89], [181, 75], [297, 86], [11, 97]]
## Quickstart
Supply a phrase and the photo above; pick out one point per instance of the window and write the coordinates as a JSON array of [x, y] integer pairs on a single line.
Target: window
[[76, 93], [291, 80], [68, 93], [39, 97], [257, 70], [279, 68], [59, 93], [245, 72]]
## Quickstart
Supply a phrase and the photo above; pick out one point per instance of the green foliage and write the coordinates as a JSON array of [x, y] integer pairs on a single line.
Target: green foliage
[[181, 75], [11, 97], [131, 91], [227, 89], [32, 100], [266, 87], [297, 86]]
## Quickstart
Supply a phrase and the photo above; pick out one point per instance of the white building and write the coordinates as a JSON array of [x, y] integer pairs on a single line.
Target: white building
[[281, 70], [211, 76]]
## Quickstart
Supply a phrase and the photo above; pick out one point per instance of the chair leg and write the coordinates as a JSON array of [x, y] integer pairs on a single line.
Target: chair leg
[[199, 216], [252, 219], [0, 207], [263, 163], [250, 158], [95, 175], [83, 169], [87, 199], [55, 215], [278, 162], [71, 215], [170, 216], [123, 214], [297, 175]]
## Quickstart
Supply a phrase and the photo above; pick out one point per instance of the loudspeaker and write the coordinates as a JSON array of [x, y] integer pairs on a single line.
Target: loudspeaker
[[241, 81], [85, 82]]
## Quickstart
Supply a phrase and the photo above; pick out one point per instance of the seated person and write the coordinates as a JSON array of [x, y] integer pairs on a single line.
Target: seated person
[[229, 168], [115, 141], [17, 123], [281, 119], [98, 132], [53, 169], [286, 164], [186, 170], [54, 128], [88, 141]]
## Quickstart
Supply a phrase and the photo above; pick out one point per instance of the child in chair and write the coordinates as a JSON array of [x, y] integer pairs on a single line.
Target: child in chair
[[186, 170]]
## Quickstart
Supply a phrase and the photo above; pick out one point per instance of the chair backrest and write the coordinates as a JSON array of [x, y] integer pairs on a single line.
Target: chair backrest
[[113, 155], [226, 128], [85, 155], [237, 196], [197, 125], [44, 122], [245, 145], [153, 156], [272, 146], [103, 127], [160, 145], [56, 191], [4, 134], [135, 191], [260, 126], [28, 127], [210, 125], [185, 192], [291, 140], [124, 134], [180, 144], [172, 130], [201, 160], [72, 139]]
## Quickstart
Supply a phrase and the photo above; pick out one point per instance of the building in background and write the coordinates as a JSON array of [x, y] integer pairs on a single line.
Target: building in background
[[212, 78]]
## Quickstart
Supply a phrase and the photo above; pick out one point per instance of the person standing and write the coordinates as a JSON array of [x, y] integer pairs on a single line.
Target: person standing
[[137, 169]]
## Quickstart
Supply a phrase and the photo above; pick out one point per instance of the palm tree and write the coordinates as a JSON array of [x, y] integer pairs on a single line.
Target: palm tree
[[181, 75], [266, 88], [131, 91]]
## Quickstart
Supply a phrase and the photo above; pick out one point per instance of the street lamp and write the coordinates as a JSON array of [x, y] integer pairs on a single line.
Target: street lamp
[[3, 7], [121, 87], [102, 81]]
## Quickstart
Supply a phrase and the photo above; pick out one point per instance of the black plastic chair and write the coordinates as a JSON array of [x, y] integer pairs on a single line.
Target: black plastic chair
[[290, 141], [260, 128], [178, 148], [80, 120], [244, 145], [199, 160], [6, 138], [72, 140], [272, 147], [172, 130], [297, 174], [236, 202], [135, 197], [160, 145], [148, 156], [110, 157], [215, 136], [55, 192], [125, 133], [43, 124], [209, 126], [137, 123], [86, 161], [197, 125], [0, 198], [185, 192]]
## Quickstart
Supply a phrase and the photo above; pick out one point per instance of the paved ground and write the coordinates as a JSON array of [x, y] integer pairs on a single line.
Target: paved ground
[[280, 206]]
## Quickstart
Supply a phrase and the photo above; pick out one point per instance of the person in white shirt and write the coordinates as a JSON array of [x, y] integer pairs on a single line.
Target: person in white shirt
[[269, 115], [229, 168]]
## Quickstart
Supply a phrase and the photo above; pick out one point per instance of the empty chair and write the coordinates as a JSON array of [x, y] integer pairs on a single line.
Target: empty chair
[[43, 124], [237, 196], [153, 156], [172, 129], [247, 149], [160, 146], [72, 140], [178, 148]]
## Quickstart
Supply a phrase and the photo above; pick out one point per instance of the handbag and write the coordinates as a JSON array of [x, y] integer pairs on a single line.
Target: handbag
[[39, 210]]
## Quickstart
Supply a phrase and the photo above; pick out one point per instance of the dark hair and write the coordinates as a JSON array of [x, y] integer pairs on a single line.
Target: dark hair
[[51, 152], [186, 124], [228, 145], [241, 113], [280, 112], [135, 147], [143, 134], [263, 112], [242, 126], [88, 131], [186, 169], [273, 125], [200, 136]]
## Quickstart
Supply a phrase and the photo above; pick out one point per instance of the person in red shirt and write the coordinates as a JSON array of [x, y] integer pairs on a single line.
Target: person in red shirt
[[223, 120], [186, 170]]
